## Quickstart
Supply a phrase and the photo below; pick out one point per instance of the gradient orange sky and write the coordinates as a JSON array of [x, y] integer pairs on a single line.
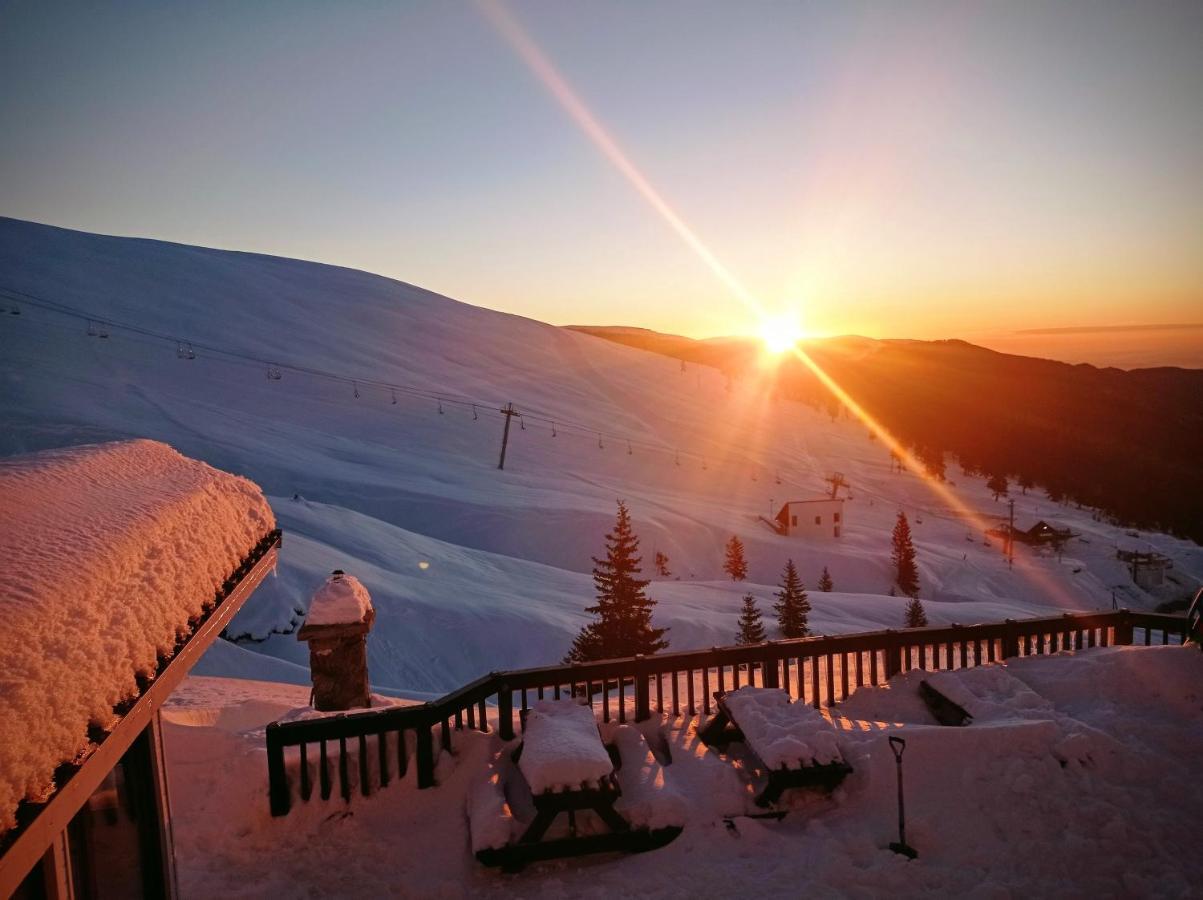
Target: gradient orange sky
[[896, 170]]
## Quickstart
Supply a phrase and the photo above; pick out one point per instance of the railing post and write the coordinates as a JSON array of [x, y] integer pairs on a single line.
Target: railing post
[[769, 668], [505, 712], [893, 654], [643, 703], [424, 741], [1010, 641], [277, 778], [1123, 627]]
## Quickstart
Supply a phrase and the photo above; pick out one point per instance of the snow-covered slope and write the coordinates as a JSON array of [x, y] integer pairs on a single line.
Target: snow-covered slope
[[471, 568]]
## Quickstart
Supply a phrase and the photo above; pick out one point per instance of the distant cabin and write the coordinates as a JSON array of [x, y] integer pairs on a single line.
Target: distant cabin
[[811, 518]]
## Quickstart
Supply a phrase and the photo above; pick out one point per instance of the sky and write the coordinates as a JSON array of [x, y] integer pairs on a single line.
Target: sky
[[910, 169]]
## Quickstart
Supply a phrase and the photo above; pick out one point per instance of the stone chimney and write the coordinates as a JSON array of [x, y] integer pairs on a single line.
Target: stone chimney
[[336, 629]]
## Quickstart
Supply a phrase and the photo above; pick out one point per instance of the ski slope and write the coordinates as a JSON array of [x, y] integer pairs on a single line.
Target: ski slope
[[471, 568]]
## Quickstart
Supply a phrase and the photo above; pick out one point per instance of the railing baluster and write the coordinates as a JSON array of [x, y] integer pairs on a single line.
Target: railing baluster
[[660, 693], [722, 688], [693, 711], [364, 787], [873, 667], [706, 690], [382, 756], [344, 781], [622, 699], [306, 783], [323, 773], [843, 676], [605, 700], [816, 690], [459, 720], [402, 754], [676, 698], [483, 717], [830, 672]]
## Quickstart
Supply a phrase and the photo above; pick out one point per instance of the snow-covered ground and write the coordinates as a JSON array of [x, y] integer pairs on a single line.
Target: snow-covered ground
[[1081, 781], [471, 568]]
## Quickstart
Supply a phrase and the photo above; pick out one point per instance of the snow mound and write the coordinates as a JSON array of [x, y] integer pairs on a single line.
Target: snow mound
[[118, 546], [646, 801], [990, 692], [783, 734], [341, 600], [561, 747]]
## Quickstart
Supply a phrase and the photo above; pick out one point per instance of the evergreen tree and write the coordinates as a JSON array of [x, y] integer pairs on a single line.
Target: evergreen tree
[[1025, 482], [932, 458], [906, 573], [825, 582], [916, 617], [751, 627], [792, 605], [623, 626], [997, 485], [735, 565], [662, 564]]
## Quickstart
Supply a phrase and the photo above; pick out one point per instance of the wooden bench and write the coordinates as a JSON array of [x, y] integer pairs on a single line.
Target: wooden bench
[[597, 793], [725, 728]]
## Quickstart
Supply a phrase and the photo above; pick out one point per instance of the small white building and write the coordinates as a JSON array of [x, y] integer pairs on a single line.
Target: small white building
[[823, 517]]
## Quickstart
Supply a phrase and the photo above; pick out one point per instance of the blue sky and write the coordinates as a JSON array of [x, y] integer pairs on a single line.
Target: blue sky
[[894, 169]]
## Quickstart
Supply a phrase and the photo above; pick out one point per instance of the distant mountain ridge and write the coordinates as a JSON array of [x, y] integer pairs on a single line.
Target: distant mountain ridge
[[1125, 441]]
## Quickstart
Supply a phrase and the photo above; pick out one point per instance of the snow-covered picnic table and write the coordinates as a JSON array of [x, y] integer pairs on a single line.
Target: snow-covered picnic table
[[795, 744], [561, 748]]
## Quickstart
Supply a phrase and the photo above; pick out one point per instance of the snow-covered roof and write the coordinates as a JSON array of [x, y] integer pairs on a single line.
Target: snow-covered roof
[[108, 550]]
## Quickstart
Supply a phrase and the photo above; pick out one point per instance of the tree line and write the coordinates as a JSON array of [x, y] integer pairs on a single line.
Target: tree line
[[622, 613]]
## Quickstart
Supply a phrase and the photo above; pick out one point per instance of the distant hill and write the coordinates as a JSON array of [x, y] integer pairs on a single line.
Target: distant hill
[[1127, 442]]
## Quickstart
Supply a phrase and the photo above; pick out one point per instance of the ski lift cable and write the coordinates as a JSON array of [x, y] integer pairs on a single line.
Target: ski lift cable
[[392, 388]]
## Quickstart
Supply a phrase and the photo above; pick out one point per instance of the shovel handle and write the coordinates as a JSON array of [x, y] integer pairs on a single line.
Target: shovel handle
[[898, 745]]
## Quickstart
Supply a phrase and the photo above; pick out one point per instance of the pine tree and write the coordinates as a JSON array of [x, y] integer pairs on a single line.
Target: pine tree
[[916, 617], [623, 626], [997, 485], [751, 626], [735, 565], [825, 582], [792, 605], [1026, 482], [906, 573], [662, 564]]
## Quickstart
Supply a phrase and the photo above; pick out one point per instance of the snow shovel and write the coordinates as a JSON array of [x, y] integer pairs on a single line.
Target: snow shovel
[[898, 745]]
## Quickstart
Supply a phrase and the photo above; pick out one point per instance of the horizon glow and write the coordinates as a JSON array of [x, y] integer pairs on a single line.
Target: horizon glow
[[934, 171]]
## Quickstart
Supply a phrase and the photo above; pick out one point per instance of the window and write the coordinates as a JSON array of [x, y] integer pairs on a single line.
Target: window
[[795, 521], [818, 520], [837, 518]]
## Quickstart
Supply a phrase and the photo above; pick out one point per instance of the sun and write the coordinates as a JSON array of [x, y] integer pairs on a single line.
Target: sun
[[780, 333]]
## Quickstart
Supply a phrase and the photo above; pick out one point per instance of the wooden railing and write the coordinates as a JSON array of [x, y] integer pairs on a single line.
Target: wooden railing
[[817, 670]]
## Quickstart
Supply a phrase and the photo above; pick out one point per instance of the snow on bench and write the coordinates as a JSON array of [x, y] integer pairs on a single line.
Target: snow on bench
[[782, 734], [989, 692], [108, 550], [647, 801], [561, 748]]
